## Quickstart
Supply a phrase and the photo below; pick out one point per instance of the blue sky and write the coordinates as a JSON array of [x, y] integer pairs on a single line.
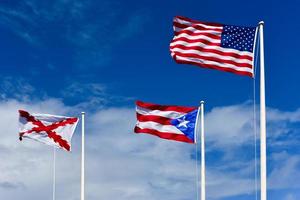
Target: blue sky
[[64, 56]]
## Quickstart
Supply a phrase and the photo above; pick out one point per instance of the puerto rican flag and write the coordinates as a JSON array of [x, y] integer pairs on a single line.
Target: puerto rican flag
[[168, 122], [52, 130]]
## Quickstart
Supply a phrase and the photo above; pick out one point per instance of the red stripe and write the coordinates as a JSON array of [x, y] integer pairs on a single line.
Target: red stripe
[[211, 58], [193, 33], [215, 67], [203, 49], [204, 41], [153, 118], [199, 22], [151, 106], [196, 26], [168, 136]]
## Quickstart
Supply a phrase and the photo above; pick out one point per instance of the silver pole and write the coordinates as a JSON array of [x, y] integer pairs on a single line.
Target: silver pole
[[263, 135], [202, 153], [82, 155], [54, 174]]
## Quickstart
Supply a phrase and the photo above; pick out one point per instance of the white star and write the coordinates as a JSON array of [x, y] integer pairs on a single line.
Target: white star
[[183, 123]]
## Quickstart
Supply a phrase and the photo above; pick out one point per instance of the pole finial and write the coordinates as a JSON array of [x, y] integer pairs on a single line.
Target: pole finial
[[82, 113], [202, 102], [261, 23]]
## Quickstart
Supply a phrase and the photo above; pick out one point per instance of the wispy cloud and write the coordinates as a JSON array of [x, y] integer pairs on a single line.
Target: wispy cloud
[[237, 124], [290, 197], [123, 165], [19, 23], [16, 88], [11, 186], [91, 95], [286, 171], [80, 89], [80, 95], [72, 25]]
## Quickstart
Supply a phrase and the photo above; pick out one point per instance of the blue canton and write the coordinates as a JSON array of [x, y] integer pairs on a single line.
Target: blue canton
[[186, 123], [239, 38]]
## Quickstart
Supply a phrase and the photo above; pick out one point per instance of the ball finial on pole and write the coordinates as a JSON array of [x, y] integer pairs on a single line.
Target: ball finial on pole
[[203, 191]]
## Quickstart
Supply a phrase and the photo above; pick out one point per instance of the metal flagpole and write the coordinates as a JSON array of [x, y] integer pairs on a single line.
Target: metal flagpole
[[54, 173], [82, 155], [196, 142], [202, 153], [263, 135]]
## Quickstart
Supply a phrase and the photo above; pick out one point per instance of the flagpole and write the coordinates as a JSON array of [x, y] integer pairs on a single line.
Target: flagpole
[[82, 155], [203, 194], [263, 135], [54, 173], [196, 143]]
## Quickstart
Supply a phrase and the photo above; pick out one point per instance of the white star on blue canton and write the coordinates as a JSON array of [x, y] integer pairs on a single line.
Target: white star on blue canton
[[183, 123]]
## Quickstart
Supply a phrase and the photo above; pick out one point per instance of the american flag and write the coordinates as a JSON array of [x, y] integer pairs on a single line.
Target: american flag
[[216, 46], [167, 122]]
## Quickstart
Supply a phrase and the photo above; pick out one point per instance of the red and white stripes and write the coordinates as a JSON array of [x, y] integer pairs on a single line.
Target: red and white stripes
[[199, 43], [156, 120]]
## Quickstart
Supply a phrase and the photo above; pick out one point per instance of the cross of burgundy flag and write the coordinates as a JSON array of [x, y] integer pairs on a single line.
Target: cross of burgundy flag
[[216, 46], [167, 122], [52, 130]]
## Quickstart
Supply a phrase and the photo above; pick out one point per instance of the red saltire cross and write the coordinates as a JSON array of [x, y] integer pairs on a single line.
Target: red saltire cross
[[48, 129]]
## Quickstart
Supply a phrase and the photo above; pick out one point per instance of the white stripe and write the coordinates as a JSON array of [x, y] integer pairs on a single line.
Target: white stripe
[[196, 37], [200, 44], [229, 58], [167, 114], [223, 65], [159, 127], [181, 21]]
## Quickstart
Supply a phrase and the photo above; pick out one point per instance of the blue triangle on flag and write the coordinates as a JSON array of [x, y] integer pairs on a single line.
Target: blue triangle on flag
[[186, 123]]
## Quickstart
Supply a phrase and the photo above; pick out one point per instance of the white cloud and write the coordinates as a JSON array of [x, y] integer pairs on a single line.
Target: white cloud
[[25, 166], [230, 125], [233, 126], [286, 172], [91, 95], [290, 197], [120, 164]]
